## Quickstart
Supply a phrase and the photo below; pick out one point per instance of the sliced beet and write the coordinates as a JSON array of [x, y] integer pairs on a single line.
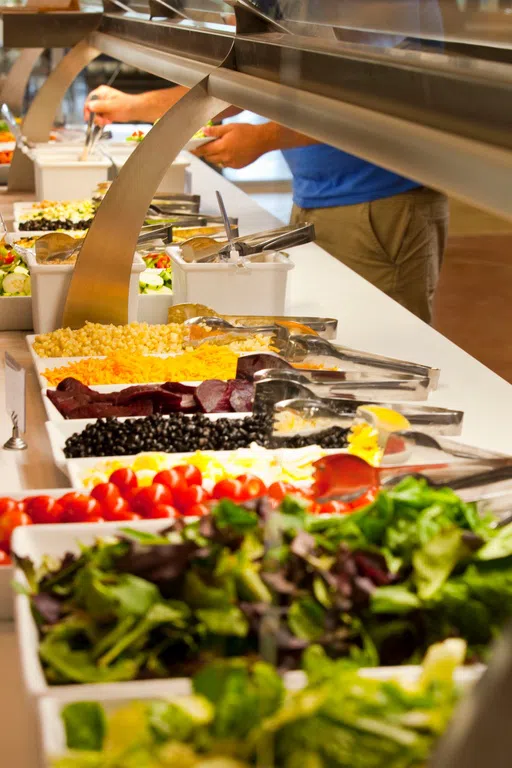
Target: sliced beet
[[109, 410], [213, 396], [178, 388], [73, 386], [241, 397], [136, 393], [248, 365]]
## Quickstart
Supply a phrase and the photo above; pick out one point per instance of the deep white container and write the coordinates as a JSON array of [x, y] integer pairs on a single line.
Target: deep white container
[[67, 178], [258, 289], [50, 284], [177, 178]]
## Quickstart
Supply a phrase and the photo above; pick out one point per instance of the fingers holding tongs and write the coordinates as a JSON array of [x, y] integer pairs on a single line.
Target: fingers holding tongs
[[92, 134]]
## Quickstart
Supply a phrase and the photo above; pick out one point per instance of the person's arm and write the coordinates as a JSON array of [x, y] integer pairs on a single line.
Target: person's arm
[[113, 106], [239, 144]]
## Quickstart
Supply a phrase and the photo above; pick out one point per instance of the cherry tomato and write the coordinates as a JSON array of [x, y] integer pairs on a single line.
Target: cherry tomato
[[191, 475], [44, 509], [170, 478], [335, 508], [8, 259], [125, 479], [161, 511], [4, 558], [69, 498], [197, 510], [9, 505], [191, 496], [228, 489], [119, 509], [163, 262], [252, 487], [365, 499], [10, 520], [107, 494], [279, 490], [83, 509], [150, 497]]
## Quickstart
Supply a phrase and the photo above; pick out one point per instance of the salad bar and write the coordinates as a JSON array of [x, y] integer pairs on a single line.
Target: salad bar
[[234, 538]]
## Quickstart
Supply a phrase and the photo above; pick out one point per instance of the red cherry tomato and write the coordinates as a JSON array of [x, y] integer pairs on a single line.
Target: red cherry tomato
[[44, 509], [279, 490], [8, 505], [4, 558], [119, 509], [10, 520], [125, 479], [107, 494], [191, 475], [163, 262], [335, 508], [197, 510], [170, 478], [69, 498], [252, 487], [191, 496], [150, 497], [228, 489], [83, 509], [161, 511]]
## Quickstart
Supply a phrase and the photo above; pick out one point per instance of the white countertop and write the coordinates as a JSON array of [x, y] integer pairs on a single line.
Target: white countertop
[[319, 285]]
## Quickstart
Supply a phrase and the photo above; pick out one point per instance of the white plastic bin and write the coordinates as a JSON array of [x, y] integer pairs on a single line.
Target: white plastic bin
[[50, 284], [64, 178], [176, 178], [258, 289]]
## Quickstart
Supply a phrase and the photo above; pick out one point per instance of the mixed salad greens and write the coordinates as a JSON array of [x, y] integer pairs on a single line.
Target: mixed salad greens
[[240, 714], [378, 586], [157, 277], [14, 274]]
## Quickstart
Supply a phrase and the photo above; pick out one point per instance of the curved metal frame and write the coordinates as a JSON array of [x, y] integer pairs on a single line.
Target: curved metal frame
[[16, 81]]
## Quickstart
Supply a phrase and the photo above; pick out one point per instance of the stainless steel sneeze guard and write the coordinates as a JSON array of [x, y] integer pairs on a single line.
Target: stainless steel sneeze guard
[[385, 103]]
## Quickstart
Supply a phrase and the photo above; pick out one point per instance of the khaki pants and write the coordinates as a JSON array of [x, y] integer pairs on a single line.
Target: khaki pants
[[396, 243]]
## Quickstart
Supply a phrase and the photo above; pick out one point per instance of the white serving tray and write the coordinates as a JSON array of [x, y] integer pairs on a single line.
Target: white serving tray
[[21, 208], [59, 431], [52, 730], [38, 541], [154, 308]]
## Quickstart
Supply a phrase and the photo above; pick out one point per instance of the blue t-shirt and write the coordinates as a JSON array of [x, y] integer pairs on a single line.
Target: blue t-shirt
[[324, 176]]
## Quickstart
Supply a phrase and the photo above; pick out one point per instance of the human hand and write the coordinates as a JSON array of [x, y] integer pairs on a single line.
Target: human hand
[[110, 106], [236, 144]]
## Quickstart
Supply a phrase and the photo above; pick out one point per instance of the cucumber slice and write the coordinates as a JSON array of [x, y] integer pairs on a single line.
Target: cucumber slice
[[20, 270], [150, 280], [14, 283]]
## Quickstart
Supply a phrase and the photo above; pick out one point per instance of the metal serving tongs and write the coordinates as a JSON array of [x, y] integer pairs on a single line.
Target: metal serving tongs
[[204, 249], [289, 384], [14, 128], [315, 350], [56, 247], [333, 411], [200, 314]]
